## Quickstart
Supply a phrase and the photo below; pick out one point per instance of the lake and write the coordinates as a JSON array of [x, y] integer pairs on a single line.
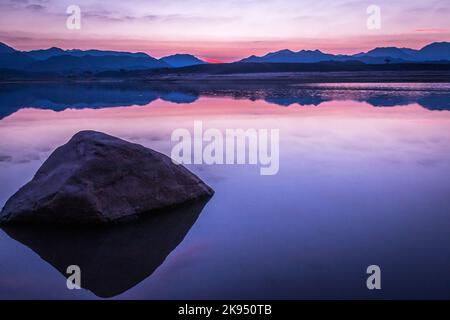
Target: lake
[[364, 179]]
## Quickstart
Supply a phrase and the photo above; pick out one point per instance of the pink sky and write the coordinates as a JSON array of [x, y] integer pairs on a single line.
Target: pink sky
[[223, 30]]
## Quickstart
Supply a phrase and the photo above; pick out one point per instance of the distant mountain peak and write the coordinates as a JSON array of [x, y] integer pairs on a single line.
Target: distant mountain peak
[[283, 51], [438, 51], [305, 51], [435, 44], [289, 56], [179, 55], [98, 53], [55, 48], [4, 48], [385, 49], [182, 60], [44, 54]]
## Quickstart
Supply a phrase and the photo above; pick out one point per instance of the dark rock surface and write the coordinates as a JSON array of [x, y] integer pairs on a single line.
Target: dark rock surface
[[96, 178]]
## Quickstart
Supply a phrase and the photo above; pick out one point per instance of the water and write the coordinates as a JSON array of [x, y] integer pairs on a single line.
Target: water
[[364, 179]]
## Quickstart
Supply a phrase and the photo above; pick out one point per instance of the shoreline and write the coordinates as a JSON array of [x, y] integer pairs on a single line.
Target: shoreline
[[187, 76], [300, 73]]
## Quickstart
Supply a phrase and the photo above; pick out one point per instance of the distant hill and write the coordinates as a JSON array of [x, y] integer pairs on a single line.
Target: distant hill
[[10, 58], [45, 54], [6, 49], [59, 60], [391, 52], [309, 56], [283, 56], [438, 51], [182, 60], [67, 63], [175, 61], [435, 51], [56, 59], [101, 53]]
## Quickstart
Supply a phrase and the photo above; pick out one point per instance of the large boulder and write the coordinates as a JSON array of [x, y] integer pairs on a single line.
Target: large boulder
[[97, 178]]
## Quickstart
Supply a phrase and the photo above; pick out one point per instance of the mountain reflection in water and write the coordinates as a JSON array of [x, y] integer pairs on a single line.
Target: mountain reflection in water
[[105, 95]]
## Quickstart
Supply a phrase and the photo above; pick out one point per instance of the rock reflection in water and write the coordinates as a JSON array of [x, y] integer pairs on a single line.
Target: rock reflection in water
[[112, 259]]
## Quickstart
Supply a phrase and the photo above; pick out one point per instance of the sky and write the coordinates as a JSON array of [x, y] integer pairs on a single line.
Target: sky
[[225, 30]]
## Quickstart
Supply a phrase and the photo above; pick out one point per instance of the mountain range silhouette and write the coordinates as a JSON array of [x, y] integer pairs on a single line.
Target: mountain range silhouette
[[59, 60], [75, 60], [437, 51]]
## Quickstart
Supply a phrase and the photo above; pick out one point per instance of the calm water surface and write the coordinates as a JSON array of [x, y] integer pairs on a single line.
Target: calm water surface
[[364, 179]]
